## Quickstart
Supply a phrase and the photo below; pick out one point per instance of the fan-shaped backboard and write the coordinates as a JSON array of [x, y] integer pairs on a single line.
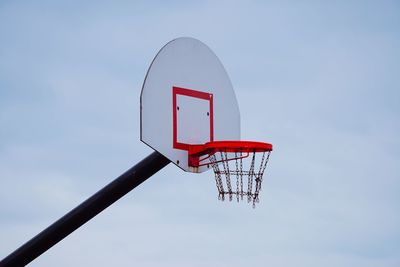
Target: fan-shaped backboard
[[187, 98]]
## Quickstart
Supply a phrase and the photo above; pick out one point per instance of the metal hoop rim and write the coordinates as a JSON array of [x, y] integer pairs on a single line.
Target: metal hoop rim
[[228, 146]]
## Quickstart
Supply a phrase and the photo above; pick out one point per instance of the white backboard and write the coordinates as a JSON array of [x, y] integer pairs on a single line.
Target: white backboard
[[187, 98]]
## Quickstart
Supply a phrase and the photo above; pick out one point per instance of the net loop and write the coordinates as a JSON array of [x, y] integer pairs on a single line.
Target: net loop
[[248, 181], [243, 161]]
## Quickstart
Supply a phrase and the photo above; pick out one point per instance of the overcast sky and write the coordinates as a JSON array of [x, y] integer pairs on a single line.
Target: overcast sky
[[319, 80]]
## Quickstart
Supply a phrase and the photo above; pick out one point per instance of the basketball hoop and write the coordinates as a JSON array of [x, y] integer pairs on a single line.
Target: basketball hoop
[[244, 160], [188, 97]]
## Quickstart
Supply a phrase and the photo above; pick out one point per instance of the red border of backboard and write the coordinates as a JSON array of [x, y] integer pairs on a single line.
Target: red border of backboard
[[191, 93]]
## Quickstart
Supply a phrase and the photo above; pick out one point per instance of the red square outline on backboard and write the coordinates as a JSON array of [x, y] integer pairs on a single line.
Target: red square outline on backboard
[[190, 93]]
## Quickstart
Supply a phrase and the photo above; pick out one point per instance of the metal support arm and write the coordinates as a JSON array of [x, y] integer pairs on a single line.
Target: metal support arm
[[86, 211]]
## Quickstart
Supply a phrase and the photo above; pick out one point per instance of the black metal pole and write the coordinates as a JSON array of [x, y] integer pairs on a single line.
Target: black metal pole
[[86, 211]]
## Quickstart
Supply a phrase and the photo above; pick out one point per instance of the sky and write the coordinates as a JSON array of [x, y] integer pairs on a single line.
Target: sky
[[317, 79]]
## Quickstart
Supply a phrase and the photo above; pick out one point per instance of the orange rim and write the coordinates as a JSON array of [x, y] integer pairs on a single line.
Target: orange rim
[[229, 146]]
